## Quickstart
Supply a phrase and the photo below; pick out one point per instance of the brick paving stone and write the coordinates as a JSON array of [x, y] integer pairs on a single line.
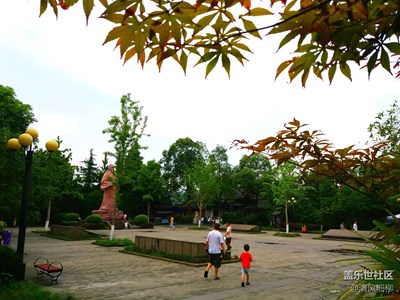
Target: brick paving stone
[[283, 268]]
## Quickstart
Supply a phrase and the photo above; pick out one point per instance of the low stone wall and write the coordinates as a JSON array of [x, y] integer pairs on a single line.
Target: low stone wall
[[70, 231], [241, 227], [194, 249], [339, 234]]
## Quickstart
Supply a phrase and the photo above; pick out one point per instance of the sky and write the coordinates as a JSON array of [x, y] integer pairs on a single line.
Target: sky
[[74, 85]]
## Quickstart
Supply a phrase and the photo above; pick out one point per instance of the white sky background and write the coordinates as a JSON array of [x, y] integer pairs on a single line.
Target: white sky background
[[74, 85]]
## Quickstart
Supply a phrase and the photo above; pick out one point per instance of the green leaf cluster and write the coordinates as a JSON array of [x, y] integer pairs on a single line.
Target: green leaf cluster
[[331, 35]]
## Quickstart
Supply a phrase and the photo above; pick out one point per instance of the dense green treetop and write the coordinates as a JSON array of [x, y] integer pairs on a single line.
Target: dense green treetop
[[387, 128], [15, 116], [181, 156]]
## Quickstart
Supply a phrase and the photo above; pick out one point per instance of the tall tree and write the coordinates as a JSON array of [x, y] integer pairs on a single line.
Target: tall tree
[[150, 184], [205, 184], [252, 178], [222, 169], [15, 117], [212, 181], [181, 156], [125, 133], [54, 187], [386, 128], [89, 178], [331, 35], [90, 173], [287, 187]]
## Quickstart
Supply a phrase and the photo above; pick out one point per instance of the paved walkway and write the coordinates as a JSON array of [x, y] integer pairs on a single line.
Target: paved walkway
[[283, 268]]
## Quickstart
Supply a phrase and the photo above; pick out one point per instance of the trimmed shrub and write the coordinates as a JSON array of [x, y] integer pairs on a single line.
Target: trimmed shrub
[[94, 222], [94, 219], [286, 234], [140, 219], [72, 217], [69, 223], [114, 242], [60, 217], [147, 225]]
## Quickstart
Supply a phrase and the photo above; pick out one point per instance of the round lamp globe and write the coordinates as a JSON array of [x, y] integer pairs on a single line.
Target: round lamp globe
[[33, 132], [51, 145], [13, 144], [25, 139]]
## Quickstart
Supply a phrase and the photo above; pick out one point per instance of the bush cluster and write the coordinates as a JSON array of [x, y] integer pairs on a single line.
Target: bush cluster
[[60, 217], [96, 219], [94, 222], [72, 217], [114, 242], [147, 225], [140, 219]]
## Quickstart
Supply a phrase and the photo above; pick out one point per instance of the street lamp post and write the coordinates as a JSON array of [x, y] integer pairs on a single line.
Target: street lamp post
[[293, 202], [25, 140]]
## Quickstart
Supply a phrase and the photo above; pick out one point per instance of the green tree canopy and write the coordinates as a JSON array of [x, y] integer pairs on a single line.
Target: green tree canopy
[[386, 128], [90, 174], [212, 181], [125, 133], [181, 156], [15, 117], [54, 183], [150, 184], [253, 177]]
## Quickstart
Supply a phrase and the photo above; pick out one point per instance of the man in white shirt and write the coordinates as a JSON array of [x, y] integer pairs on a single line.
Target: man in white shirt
[[215, 247]]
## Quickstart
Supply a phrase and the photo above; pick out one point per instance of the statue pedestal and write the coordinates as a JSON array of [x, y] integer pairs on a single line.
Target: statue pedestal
[[107, 215]]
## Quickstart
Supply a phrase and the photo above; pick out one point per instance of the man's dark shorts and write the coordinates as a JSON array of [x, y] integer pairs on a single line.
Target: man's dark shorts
[[215, 260]]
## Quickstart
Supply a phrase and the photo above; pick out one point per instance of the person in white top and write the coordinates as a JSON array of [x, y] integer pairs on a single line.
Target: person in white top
[[228, 236], [215, 247], [355, 227]]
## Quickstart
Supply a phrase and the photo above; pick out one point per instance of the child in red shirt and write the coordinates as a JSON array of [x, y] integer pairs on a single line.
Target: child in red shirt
[[246, 258]]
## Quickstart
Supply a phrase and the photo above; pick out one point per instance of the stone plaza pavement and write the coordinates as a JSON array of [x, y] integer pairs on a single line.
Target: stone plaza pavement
[[283, 268]]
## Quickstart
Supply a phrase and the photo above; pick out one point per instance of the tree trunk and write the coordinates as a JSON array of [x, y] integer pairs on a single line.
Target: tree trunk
[[201, 211], [286, 215], [46, 225]]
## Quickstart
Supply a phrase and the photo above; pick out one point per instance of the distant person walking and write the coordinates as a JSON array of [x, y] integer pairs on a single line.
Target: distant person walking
[[355, 226], [342, 226], [3, 227], [246, 258], [171, 223], [228, 236], [214, 246]]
